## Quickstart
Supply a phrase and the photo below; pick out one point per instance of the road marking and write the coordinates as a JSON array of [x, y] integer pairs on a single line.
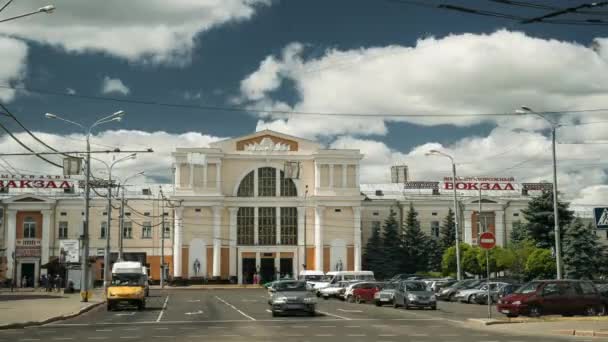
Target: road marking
[[62, 338], [387, 335], [356, 335], [249, 300], [231, 335], [329, 314], [422, 335], [103, 330], [232, 306], [299, 326], [379, 326], [125, 314], [130, 329], [194, 300], [128, 337], [29, 339], [196, 336], [294, 335], [343, 310], [163, 328], [352, 326], [449, 335], [195, 313], [327, 326], [186, 328], [162, 312], [98, 338], [324, 335], [267, 310], [216, 327], [164, 336]]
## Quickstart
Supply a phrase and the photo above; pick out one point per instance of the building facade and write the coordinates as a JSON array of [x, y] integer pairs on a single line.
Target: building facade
[[266, 203]]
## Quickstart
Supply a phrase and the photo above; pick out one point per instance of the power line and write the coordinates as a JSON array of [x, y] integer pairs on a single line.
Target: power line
[[26, 147]]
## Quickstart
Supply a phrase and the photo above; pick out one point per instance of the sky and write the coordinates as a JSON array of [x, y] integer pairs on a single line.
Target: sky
[[392, 78]]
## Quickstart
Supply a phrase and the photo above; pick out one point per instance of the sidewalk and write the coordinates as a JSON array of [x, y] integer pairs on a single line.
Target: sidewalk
[[565, 326], [24, 308]]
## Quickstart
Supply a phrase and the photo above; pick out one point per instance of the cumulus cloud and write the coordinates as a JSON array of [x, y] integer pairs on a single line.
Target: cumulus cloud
[[454, 75], [71, 91], [13, 60], [114, 85], [157, 31]]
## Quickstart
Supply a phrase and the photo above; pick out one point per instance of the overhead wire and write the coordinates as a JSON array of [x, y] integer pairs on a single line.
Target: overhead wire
[[4, 128]]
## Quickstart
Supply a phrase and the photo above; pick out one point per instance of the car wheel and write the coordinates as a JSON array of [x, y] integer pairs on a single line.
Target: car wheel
[[378, 303], [395, 304], [512, 315], [471, 298], [110, 307], [318, 294], [326, 297], [434, 307], [602, 310], [590, 311], [535, 311], [275, 314], [311, 313], [358, 300], [350, 299]]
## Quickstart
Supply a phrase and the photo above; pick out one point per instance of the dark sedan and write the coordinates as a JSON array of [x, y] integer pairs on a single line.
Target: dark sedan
[[291, 296]]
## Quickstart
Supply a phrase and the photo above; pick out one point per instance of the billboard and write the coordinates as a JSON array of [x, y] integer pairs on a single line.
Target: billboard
[[69, 251]]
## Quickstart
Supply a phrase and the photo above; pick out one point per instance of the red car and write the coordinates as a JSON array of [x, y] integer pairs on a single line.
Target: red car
[[365, 293], [553, 297]]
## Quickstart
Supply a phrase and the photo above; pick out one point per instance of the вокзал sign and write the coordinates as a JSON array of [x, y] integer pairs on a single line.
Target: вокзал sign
[[34, 182], [480, 183]]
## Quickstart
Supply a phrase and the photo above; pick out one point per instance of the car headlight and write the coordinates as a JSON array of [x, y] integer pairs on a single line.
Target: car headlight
[[433, 298], [377, 295], [310, 300], [280, 300], [411, 297], [517, 302]]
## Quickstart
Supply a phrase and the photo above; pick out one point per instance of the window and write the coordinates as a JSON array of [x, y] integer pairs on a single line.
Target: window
[[289, 226], [63, 230], [103, 228], [434, 213], [63, 213], [146, 230], [288, 187], [267, 182], [29, 228], [606, 233], [245, 226], [435, 229], [516, 214], [337, 210], [267, 226], [167, 231], [146, 213], [127, 230], [246, 186], [197, 210], [375, 213]]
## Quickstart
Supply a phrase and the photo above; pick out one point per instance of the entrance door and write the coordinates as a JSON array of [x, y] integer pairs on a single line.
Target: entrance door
[[267, 270], [287, 268], [248, 270], [28, 270]]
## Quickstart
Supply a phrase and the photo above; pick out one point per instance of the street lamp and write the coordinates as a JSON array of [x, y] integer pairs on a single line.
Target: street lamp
[[456, 220], [48, 9], [117, 116], [122, 214], [106, 258], [558, 249]]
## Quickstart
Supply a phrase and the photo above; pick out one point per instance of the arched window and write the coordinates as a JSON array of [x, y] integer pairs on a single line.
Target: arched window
[[267, 184], [29, 228], [288, 187], [246, 187]]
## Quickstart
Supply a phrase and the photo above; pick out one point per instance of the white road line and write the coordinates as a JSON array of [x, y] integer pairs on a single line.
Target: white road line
[[216, 327], [29, 339], [62, 338], [449, 335], [299, 326], [387, 335], [343, 310], [129, 337], [98, 338], [163, 328], [327, 326], [103, 330], [324, 335], [231, 335], [164, 336], [352, 326], [162, 312], [232, 306], [196, 336], [130, 329], [294, 335], [329, 314], [267, 310], [356, 335]]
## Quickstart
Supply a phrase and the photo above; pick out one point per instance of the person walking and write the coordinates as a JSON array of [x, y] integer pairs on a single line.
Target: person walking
[[49, 283], [43, 282], [24, 282]]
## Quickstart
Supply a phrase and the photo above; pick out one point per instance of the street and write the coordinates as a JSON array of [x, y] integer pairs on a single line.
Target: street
[[239, 315]]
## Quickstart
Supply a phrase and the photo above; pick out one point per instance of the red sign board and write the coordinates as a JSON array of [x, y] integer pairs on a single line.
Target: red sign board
[[487, 240]]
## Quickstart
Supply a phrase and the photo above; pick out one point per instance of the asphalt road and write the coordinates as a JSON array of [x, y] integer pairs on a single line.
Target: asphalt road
[[243, 315]]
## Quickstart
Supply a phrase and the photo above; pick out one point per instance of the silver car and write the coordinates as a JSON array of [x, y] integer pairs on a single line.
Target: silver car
[[414, 294], [291, 296]]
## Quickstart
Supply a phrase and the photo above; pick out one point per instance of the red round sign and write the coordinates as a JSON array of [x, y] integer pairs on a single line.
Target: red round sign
[[487, 240]]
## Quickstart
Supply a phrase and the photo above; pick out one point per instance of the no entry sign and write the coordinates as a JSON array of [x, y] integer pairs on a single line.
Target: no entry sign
[[487, 240]]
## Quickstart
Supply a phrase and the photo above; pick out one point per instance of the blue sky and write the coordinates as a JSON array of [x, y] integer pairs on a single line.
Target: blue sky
[[80, 45]]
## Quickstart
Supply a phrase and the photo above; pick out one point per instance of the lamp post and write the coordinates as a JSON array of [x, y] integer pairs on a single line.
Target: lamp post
[[558, 249], [48, 9], [84, 286], [106, 258], [456, 220], [121, 232]]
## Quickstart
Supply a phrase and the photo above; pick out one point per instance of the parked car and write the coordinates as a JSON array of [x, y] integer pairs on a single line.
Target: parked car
[[348, 295], [366, 292], [402, 276], [469, 295], [553, 297], [291, 296], [435, 284], [334, 277], [449, 292], [387, 294], [334, 290], [496, 294], [438, 286], [414, 294]]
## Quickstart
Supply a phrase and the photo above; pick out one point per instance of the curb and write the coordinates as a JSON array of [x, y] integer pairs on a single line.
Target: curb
[[586, 333], [22, 325], [484, 321]]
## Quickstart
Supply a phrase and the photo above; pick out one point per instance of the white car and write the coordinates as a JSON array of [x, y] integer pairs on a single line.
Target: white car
[[333, 290], [347, 295], [468, 295]]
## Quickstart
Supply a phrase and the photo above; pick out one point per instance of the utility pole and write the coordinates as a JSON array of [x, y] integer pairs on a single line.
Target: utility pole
[[162, 239], [106, 257], [84, 286], [121, 226], [558, 247], [456, 223], [305, 214]]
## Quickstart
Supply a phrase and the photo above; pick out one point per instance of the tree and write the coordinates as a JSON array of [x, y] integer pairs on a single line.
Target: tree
[[373, 258], [540, 222], [470, 260], [448, 231], [392, 248], [415, 244], [435, 254], [519, 233], [448, 262], [540, 264], [580, 251]]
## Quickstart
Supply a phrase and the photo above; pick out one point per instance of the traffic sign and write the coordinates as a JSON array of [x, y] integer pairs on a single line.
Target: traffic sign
[[487, 240], [601, 217]]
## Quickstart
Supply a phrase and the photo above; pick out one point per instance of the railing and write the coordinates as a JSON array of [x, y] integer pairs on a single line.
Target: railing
[[28, 243]]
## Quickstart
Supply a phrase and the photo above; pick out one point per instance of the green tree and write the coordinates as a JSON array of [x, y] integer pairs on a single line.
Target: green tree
[[470, 260], [580, 250], [519, 233], [435, 254], [448, 231], [448, 262], [415, 244], [540, 264], [540, 222], [373, 258], [391, 243]]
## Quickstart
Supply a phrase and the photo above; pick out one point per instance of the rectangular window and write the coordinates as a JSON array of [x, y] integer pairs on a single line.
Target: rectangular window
[[245, 225], [267, 226], [167, 234], [127, 230], [324, 175], [435, 229], [267, 182], [146, 230], [102, 230], [29, 228], [63, 230], [289, 226]]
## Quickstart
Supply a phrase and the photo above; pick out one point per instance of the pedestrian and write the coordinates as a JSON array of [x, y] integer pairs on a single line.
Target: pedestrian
[[256, 280], [43, 282], [49, 283], [59, 283], [24, 281]]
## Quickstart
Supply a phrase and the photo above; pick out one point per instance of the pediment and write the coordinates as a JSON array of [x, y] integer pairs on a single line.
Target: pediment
[[267, 141], [28, 198]]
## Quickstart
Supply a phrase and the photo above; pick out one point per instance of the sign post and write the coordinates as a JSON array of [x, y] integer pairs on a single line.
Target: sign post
[[601, 217], [487, 241]]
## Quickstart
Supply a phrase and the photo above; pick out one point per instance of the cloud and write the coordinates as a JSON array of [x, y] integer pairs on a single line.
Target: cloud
[[455, 75], [114, 85], [156, 31], [13, 60], [70, 91], [194, 95], [157, 165]]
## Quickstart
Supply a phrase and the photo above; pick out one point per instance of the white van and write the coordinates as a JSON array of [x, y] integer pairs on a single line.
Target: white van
[[144, 270], [333, 277], [312, 278]]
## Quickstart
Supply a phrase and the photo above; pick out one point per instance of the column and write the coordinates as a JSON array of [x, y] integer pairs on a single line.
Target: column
[[319, 211], [357, 176], [177, 176], [301, 240], [177, 242], [217, 242], [317, 176], [256, 226], [191, 175], [331, 176], [357, 237], [239, 272], [46, 237], [233, 230], [294, 264], [218, 176], [467, 231], [277, 182], [278, 224], [11, 236], [344, 177], [499, 222], [255, 183], [277, 265], [205, 167], [258, 261]]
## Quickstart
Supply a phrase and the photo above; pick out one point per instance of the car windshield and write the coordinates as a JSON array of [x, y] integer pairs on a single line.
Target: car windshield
[[389, 286], [290, 286], [128, 279], [415, 286], [528, 288]]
